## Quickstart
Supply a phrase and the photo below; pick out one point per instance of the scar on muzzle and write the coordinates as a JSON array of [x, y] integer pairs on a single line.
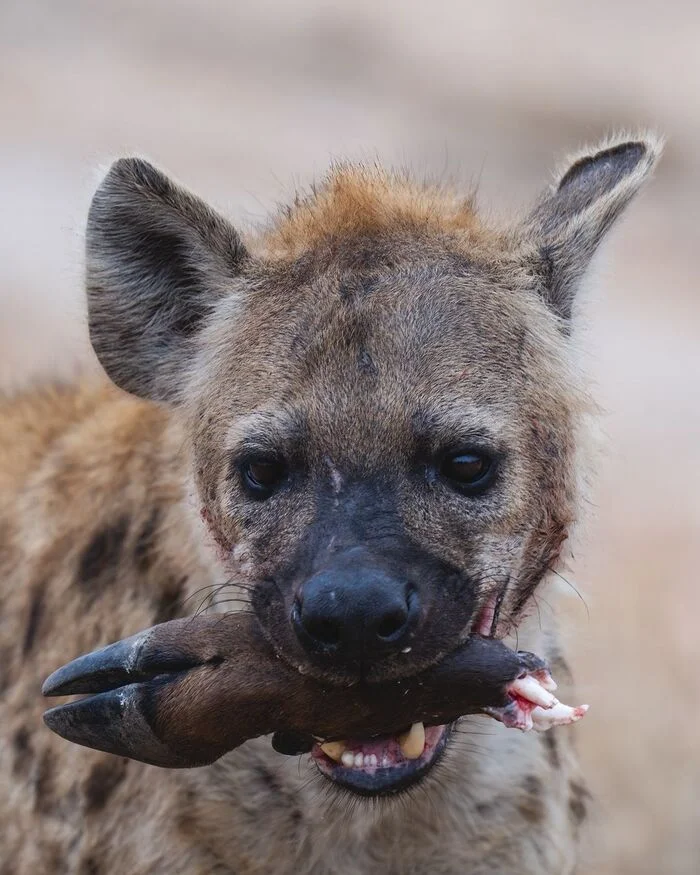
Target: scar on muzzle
[[183, 693]]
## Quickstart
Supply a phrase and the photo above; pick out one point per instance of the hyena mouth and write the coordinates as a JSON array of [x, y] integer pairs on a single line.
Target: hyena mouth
[[383, 765]]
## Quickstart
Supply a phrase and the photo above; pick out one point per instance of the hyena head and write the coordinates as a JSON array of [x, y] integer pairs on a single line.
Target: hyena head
[[379, 396]]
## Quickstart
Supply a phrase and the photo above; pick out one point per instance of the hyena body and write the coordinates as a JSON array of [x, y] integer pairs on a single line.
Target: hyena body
[[376, 330]]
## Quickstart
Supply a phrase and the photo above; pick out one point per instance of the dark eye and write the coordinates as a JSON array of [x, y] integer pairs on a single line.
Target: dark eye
[[468, 470], [263, 476]]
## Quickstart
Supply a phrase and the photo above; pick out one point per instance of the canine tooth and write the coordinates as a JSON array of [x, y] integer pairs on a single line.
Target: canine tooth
[[412, 743], [348, 759], [334, 749], [532, 690], [359, 760]]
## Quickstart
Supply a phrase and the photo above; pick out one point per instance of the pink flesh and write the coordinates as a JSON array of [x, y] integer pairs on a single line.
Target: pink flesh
[[484, 623], [516, 714]]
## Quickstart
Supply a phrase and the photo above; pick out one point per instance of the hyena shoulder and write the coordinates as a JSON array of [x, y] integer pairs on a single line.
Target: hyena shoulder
[[92, 546]]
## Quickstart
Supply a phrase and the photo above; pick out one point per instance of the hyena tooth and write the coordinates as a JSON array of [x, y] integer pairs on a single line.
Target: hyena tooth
[[412, 743], [334, 749], [348, 759], [531, 689], [559, 715]]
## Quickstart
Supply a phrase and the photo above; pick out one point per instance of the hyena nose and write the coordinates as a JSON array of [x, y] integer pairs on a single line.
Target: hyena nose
[[355, 614]]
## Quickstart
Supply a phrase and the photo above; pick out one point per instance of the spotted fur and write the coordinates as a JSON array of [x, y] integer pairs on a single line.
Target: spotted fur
[[366, 327]]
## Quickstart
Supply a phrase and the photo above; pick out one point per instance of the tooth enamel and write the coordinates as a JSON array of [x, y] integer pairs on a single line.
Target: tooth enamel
[[348, 759], [532, 690], [334, 749], [412, 743], [359, 760]]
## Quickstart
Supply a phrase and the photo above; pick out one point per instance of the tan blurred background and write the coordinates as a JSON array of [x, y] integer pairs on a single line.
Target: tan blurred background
[[244, 100]]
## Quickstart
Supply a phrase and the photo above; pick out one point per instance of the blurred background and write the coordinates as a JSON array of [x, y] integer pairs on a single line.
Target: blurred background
[[244, 101]]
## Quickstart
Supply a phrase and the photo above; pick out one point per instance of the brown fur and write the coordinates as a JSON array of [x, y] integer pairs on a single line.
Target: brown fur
[[365, 329], [360, 201]]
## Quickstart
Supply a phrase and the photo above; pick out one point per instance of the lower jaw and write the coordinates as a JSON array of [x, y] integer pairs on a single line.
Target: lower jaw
[[380, 768]]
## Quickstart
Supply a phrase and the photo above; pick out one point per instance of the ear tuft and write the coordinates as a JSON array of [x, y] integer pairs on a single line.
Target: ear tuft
[[570, 221], [157, 261]]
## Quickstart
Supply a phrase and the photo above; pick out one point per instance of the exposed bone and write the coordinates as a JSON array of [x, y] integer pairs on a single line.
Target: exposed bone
[[545, 679], [559, 715], [521, 715], [530, 688]]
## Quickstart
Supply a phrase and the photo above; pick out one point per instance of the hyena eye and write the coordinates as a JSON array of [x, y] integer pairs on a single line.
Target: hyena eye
[[262, 476], [469, 471]]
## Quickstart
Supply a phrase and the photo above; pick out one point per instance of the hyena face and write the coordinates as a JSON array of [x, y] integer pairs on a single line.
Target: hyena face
[[379, 396], [388, 452]]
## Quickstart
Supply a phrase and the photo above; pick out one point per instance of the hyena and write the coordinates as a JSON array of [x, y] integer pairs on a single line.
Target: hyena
[[366, 424]]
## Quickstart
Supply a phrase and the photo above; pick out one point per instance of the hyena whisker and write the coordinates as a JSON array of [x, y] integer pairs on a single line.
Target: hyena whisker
[[201, 607], [215, 587], [499, 605], [539, 613], [547, 603], [569, 583]]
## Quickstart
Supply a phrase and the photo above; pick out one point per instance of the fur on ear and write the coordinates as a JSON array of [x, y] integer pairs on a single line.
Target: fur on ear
[[572, 218], [157, 261]]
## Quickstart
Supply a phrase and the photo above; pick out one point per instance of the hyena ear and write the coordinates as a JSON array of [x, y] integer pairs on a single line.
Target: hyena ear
[[571, 219], [157, 261]]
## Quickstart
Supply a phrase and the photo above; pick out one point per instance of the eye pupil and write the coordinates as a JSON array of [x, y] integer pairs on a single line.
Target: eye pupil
[[467, 469], [265, 473], [263, 476]]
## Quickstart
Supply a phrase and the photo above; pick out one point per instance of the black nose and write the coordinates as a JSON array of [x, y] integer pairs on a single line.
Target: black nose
[[355, 610]]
